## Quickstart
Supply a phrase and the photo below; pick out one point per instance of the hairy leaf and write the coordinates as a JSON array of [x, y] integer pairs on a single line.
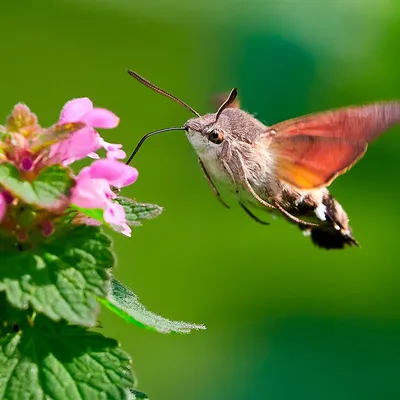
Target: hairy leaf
[[133, 394], [62, 362], [61, 278], [123, 302], [135, 211], [94, 213], [51, 185]]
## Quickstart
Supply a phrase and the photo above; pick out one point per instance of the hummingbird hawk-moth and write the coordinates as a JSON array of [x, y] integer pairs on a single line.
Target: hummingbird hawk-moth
[[285, 168]]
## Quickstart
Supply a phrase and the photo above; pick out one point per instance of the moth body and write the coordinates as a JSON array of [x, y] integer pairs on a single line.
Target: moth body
[[284, 169], [248, 156]]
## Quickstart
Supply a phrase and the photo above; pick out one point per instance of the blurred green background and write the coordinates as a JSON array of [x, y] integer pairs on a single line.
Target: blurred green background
[[285, 320]]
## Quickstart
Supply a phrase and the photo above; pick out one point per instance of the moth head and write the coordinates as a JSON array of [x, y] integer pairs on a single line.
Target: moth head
[[211, 128], [206, 130]]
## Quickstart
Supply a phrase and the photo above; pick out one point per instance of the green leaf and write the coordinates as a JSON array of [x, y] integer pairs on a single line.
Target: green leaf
[[95, 213], [135, 211], [133, 394], [62, 278], [123, 302], [62, 363], [52, 184]]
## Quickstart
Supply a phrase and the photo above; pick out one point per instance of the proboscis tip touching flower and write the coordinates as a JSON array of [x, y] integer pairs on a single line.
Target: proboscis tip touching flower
[[37, 186]]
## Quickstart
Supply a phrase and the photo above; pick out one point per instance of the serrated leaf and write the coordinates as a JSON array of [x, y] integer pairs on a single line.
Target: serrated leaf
[[52, 184], [62, 363], [123, 302], [135, 211], [62, 278], [133, 394], [94, 213]]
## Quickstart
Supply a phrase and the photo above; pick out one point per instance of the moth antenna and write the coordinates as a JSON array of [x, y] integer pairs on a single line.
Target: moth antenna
[[161, 91], [231, 98], [145, 137]]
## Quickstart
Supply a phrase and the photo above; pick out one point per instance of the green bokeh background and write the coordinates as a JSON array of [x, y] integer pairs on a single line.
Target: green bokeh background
[[285, 320]]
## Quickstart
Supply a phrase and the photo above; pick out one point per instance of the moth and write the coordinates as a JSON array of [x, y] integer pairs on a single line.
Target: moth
[[284, 169]]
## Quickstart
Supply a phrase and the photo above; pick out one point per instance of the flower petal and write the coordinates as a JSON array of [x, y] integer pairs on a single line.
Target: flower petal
[[8, 197], [77, 146], [75, 109], [47, 228], [93, 155], [114, 150], [26, 163], [116, 154], [3, 206], [124, 229], [114, 214], [91, 193], [115, 172], [100, 118]]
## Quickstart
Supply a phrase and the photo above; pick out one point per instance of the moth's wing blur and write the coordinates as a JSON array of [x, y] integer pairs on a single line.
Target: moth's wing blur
[[311, 151]]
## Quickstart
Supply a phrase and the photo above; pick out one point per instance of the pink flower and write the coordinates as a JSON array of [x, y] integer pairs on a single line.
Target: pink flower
[[47, 228], [93, 190], [29, 148], [76, 147], [5, 199], [26, 164], [113, 150], [3, 207], [81, 110], [115, 172], [115, 216], [86, 141]]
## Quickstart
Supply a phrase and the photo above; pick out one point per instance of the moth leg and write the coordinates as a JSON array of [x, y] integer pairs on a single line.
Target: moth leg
[[211, 183], [251, 215], [244, 179], [248, 212], [293, 218], [264, 203], [230, 173]]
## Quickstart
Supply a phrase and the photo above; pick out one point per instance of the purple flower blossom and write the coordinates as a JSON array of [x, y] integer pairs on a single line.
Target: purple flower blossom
[[115, 172], [47, 228], [85, 141], [3, 207], [93, 189], [115, 216], [31, 149], [93, 184], [6, 198], [26, 164]]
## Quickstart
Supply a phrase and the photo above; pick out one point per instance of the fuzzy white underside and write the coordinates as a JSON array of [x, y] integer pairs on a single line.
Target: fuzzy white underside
[[209, 154], [320, 212]]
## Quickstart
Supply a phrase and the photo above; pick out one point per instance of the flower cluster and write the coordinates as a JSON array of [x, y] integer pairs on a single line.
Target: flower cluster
[[30, 155]]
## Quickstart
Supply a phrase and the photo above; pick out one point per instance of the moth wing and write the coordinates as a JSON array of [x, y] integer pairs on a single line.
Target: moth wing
[[311, 151]]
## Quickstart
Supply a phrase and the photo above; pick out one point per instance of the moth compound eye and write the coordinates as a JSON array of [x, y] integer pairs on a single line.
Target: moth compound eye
[[216, 136]]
